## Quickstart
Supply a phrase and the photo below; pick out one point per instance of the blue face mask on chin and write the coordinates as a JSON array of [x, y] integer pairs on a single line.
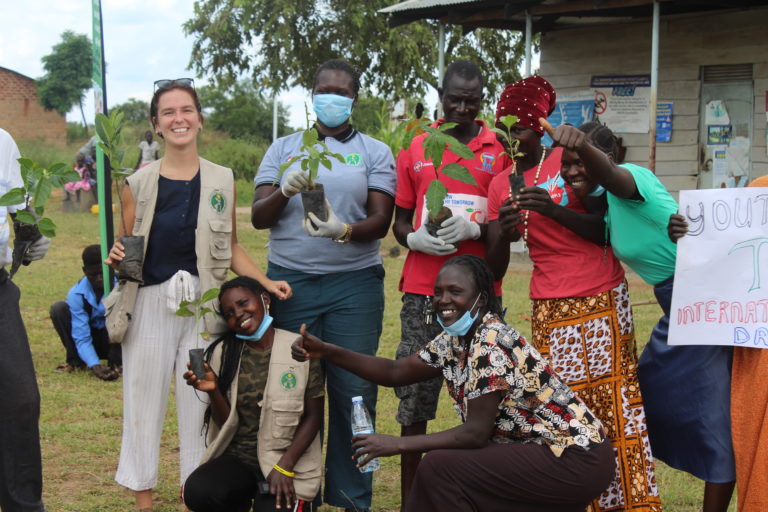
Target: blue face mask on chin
[[331, 109], [258, 333], [597, 191], [461, 326]]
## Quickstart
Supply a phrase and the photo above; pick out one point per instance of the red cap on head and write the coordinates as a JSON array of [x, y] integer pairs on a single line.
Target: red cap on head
[[528, 99]]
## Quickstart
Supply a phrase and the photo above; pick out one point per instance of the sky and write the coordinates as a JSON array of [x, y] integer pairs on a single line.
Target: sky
[[143, 42]]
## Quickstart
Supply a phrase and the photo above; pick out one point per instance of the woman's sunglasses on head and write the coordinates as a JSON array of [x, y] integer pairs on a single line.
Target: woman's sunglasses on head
[[165, 82]]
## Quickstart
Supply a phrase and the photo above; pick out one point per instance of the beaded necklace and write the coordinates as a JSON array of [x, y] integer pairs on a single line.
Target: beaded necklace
[[535, 182]]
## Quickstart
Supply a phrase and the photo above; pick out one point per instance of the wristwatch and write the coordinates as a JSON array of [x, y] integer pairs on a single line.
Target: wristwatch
[[345, 236]]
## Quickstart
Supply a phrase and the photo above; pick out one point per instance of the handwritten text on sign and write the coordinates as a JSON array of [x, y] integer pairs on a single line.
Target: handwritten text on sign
[[721, 276]]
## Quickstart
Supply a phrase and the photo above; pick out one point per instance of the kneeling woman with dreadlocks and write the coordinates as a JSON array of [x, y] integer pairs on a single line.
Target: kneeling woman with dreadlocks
[[264, 415], [526, 441]]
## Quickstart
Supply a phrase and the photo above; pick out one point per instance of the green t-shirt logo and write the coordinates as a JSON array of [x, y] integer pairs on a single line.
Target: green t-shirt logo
[[353, 159]]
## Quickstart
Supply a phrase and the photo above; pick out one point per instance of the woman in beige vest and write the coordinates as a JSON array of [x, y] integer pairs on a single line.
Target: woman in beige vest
[[184, 206], [264, 415]]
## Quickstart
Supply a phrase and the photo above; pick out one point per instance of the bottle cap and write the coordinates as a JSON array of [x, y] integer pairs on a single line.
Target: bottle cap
[[357, 399]]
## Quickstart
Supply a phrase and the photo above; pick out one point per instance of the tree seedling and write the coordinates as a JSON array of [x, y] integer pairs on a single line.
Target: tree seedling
[[313, 153], [511, 145], [435, 143], [109, 130], [198, 309], [30, 222]]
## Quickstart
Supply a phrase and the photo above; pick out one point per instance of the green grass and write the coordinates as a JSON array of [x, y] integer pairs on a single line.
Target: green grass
[[81, 416]]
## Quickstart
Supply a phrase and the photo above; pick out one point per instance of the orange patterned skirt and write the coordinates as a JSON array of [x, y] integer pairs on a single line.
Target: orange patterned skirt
[[590, 343]]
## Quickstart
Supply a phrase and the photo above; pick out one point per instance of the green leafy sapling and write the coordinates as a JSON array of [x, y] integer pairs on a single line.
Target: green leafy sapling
[[37, 186], [109, 129], [511, 145], [435, 143], [30, 223], [313, 153], [197, 308]]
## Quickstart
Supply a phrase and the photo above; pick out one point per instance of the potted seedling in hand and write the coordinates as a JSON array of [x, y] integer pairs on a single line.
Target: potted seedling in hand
[[435, 143], [30, 224], [511, 145], [198, 309], [109, 130], [313, 153]]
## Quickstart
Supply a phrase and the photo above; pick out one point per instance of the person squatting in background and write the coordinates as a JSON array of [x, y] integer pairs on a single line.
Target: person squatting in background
[[79, 321]]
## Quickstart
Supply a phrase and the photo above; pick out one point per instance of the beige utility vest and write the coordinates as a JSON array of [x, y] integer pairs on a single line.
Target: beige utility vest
[[213, 236], [281, 409]]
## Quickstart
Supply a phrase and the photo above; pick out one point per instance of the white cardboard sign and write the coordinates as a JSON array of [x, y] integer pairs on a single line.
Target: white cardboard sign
[[720, 294]]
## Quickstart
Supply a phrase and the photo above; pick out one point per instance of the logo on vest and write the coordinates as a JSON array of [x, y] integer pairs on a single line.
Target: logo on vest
[[217, 201], [353, 159], [288, 380]]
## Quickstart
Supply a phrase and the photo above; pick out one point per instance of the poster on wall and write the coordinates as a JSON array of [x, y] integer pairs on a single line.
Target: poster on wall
[[717, 153], [623, 102], [575, 109], [718, 134], [663, 122], [721, 271]]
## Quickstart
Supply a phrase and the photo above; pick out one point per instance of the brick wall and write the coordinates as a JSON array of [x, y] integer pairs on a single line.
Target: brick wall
[[22, 115]]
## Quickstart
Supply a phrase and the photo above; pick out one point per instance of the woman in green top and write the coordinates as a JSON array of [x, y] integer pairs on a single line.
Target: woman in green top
[[685, 388]]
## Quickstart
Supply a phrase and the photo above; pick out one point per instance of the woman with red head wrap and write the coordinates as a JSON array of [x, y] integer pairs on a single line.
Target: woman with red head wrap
[[582, 318]]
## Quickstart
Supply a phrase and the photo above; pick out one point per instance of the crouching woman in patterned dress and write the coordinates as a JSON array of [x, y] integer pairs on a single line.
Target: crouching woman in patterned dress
[[526, 441], [263, 442]]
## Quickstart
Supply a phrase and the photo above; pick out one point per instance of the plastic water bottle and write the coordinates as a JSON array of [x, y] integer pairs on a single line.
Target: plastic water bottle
[[362, 424]]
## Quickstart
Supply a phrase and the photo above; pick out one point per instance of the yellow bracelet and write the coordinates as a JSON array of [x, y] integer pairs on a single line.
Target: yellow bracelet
[[284, 471]]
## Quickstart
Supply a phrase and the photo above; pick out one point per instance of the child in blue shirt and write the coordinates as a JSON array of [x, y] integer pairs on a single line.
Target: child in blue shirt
[[80, 322]]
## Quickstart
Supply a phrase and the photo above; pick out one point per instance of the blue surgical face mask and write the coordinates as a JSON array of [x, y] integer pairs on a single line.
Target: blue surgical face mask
[[258, 333], [332, 110], [597, 191], [461, 326]]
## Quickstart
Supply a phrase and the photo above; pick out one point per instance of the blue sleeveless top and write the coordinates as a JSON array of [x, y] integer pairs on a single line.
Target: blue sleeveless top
[[171, 244]]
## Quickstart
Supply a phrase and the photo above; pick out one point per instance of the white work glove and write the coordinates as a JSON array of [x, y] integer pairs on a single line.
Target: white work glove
[[292, 182], [332, 228], [455, 229], [38, 249], [420, 240]]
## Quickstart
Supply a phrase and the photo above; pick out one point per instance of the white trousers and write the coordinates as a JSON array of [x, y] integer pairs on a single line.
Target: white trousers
[[154, 351]]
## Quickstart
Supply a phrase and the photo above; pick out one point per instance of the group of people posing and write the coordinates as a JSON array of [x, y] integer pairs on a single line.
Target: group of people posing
[[564, 421]]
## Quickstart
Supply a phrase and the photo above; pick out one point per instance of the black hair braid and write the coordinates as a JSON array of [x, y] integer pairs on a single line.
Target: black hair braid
[[230, 360], [231, 349], [482, 276], [602, 138]]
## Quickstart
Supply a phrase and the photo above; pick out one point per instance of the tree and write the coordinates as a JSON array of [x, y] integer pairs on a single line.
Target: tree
[[242, 111], [281, 43], [135, 111], [68, 74]]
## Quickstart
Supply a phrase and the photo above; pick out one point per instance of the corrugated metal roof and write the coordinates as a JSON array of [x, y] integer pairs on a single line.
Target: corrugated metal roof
[[547, 15], [410, 5]]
